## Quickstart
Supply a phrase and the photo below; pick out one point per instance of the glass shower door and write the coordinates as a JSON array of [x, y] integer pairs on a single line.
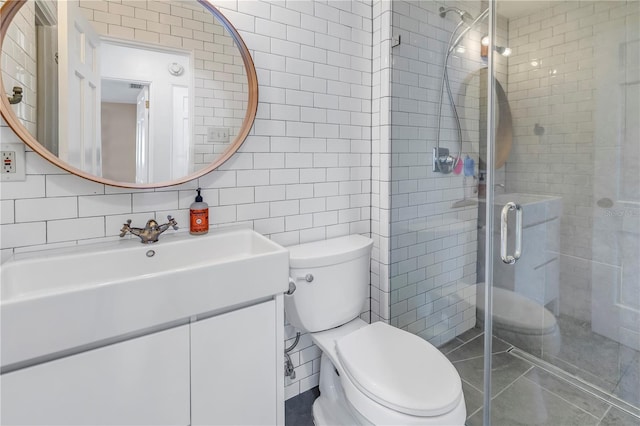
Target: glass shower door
[[562, 234]]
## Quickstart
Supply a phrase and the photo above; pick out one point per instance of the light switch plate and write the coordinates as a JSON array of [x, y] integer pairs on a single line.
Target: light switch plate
[[217, 134], [13, 162]]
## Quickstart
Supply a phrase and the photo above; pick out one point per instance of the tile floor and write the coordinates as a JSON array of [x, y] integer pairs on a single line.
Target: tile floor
[[297, 410], [607, 364], [523, 393]]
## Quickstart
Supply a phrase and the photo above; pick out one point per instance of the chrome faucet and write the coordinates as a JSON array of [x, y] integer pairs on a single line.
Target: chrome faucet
[[150, 233]]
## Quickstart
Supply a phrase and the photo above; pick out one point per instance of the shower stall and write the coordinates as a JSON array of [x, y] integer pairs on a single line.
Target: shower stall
[[508, 226]]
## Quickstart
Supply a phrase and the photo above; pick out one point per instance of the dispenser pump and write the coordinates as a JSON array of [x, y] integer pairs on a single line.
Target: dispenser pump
[[199, 216]]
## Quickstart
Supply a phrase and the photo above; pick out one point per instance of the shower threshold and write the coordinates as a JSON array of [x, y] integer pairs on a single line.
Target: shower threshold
[[578, 382]]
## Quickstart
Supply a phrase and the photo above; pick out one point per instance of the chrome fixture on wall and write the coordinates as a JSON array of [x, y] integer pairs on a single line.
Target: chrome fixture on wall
[[17, 95], [443, 162]]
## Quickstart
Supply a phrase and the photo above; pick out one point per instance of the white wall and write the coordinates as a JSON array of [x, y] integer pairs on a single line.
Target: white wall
[[303, 174]]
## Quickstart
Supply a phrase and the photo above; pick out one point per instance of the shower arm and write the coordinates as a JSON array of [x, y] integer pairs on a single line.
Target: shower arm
[[464, 32]]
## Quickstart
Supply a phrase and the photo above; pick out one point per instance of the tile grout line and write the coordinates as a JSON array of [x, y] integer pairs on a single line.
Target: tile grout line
[[511, 384], [479, 356], [605, 414], [472, 386], [499, 393]]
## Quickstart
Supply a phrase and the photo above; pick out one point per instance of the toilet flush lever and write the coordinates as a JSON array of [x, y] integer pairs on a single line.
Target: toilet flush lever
[[292, 287], [308, 278]]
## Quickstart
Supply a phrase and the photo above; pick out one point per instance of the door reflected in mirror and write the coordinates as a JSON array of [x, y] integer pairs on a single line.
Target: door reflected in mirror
[[140, 93]]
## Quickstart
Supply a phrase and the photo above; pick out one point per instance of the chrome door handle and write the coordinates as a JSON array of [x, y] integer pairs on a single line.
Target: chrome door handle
[[504, 226]]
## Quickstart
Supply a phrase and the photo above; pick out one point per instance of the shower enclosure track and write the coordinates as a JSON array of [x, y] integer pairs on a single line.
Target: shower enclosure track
[[578, 382]]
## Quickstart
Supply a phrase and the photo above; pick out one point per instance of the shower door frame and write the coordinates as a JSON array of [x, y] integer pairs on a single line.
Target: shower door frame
[[489, 226]]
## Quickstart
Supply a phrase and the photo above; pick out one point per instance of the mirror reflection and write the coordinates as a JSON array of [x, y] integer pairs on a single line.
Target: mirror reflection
[[144, 92]]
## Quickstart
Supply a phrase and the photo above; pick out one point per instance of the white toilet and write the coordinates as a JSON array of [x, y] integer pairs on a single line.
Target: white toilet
[[370, 374], [521, 321]]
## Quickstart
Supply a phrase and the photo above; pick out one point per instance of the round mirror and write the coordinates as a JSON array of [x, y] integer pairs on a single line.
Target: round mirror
[[504, 123], [139, 95]]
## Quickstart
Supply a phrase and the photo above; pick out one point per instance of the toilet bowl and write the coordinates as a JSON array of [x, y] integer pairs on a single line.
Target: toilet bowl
[[370, 374], [521, 321]]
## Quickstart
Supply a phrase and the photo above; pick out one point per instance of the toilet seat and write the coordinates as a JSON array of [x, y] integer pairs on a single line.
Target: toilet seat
[[376, 412], [421, 381]]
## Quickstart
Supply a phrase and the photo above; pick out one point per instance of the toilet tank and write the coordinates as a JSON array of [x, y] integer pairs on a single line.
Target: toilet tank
[[331, 278]]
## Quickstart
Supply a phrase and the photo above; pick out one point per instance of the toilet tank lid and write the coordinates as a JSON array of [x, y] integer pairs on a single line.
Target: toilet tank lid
[[329, 252]]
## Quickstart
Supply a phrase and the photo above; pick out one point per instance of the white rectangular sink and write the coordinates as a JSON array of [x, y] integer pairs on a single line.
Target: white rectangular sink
[[55, 300]]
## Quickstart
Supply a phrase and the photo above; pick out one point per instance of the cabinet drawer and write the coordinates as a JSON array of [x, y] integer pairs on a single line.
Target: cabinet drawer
[[143, 381]]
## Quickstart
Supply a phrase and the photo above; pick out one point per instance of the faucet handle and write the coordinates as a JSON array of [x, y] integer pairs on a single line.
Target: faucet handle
[[125, 228], [172, 222]]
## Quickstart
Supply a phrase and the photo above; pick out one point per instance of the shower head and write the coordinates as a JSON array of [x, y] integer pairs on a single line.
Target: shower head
[[464, 15], [469, 26]]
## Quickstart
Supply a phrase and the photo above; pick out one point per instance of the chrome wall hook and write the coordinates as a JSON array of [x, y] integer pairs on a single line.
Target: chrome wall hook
[[17, 95]]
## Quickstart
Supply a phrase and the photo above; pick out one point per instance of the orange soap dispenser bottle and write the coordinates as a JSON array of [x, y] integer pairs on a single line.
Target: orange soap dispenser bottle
[[199, 216]]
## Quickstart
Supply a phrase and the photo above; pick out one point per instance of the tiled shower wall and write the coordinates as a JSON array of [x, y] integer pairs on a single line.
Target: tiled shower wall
[[561, 58], [433, 243], [303, 174]]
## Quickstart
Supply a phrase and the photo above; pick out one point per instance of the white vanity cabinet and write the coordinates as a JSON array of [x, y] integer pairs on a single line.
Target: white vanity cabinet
[[235, 366], [189, 331], [143, 381], [225, 369]]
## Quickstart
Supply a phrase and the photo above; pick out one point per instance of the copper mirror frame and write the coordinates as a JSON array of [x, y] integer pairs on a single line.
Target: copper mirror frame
[[8, 12]]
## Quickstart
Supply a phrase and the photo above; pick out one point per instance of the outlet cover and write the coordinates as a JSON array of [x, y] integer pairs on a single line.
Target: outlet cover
[[13, 162]]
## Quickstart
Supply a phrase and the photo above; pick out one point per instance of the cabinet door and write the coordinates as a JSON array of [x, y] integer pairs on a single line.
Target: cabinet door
[[233, 368], [144, 381]]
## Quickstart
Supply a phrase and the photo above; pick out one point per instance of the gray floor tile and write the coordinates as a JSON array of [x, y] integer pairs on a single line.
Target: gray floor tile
[[470, 334], [472, 398], [526, 403], [568, 392], [593, 379], [617, 417], [591, 356], [628, 388], [450, 346], [475, 348], [297, 410], [505, 369]]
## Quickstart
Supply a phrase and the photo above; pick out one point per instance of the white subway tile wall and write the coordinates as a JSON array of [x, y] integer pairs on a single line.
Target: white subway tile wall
[[562, 57], [380, 149], [433, 246], [303, 173]]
